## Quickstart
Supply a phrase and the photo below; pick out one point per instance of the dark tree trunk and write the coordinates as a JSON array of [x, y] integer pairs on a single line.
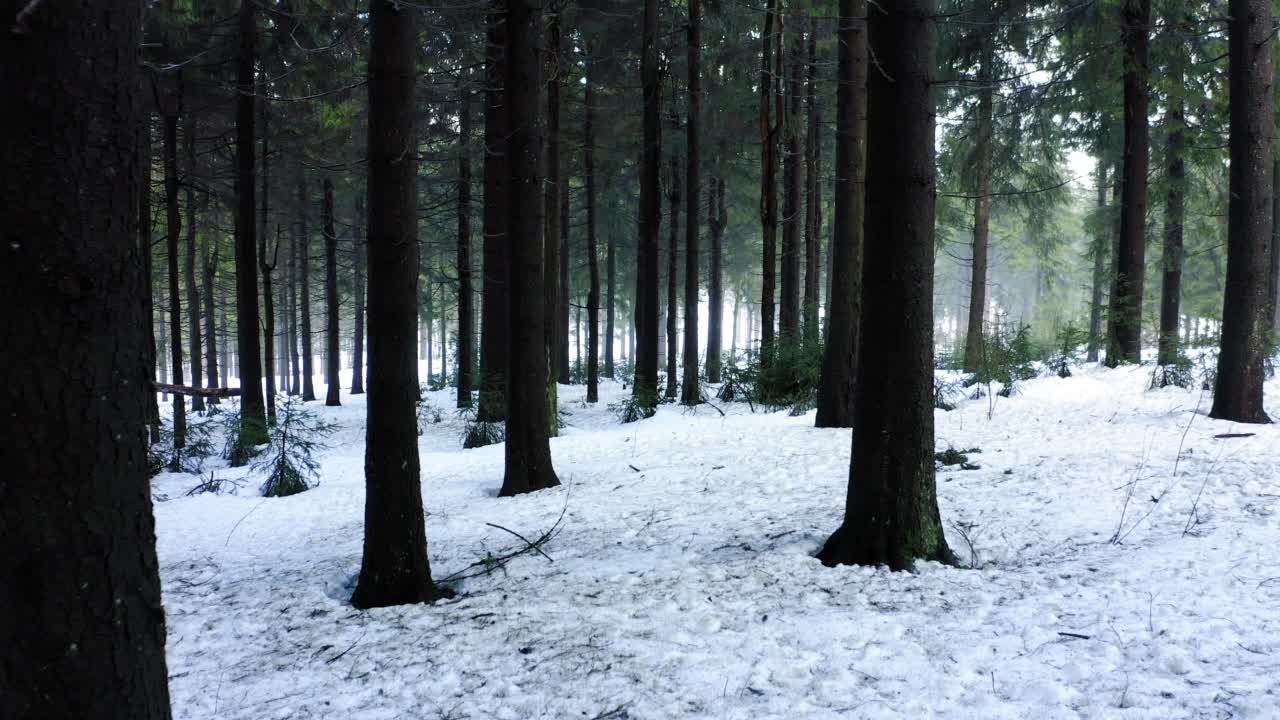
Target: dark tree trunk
[[552, 197], [792, 213], [148, 285], [812, 196], [268, 311], [494, 302], [611, 288], [173, 228], [673, 264], [975, 335], [836, 391], [189, 266], [253, 417], [1237, 392], [304, 291], [528, 449], [332, 331], [1125, 311], [82, 628], [395, 569], [593, 264], [1174, 214], [768, 180], [466, 316], [1273, 296], [359, 250], [444, 341], [210, 272], [295, 249], [891, 515], [224, 351], [645, 389], [717, 220], [1099, 251], [562, 323], [690, 393]]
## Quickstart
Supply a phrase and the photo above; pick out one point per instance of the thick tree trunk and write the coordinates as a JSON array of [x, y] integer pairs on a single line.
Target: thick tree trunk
[[494, 303], [593, 264], [690, 393], [528, 449], [466, 315], [792, 208], [1274, 295], [812, 194], [975, 333], [552, 196], [189, 266], [359, 250], [1237, 392], [891, 515], [268, 312], [82, 630], [1099, 251], [395, 569], [768, 177], [645, 388], [253, 417], [173, 228], [673, 263], [836, 391], [331, 345], [1174, 214], [1125, 311], [717, 220]]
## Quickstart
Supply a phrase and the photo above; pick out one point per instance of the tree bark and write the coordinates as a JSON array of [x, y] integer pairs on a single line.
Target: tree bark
[[253, 418], [593, 264], [690, 393], [717, 221], [891, 514], [611, 278], [189, 267], [1099, 251], [332, 331], [359, 250], [975, 333], [792, 212], [552, 197], [148, 285], [466, 315], [812, 194], [395, 569], [1125, 311], [1174, 215], [295, 252], [268, 311], [837, 389], [645, 388], [304, 291], [173, 228], [210, 273], [673, 263], [494, 328], [528, 449], [1237, 392], [82, 628], [768, 179]]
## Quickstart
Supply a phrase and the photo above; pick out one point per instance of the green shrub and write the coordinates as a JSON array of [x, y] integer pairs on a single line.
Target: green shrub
[[162, 455], [786, 377], [290, 463], [1067, 345]]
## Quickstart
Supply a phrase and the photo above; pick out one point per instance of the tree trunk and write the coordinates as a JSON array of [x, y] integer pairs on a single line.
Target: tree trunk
[[528, 449], [792, 214], [268, 312], [1237, 392], [253, 418], [733, 334], [189, 267], [224, 351], [768, 178], [295, 252], [812, 196], [1274, 295], [975, 333], [1125, 311], [466, 315], [611, 279], [673, 255], [690, 393], [836, 390], [552, 197], [304, 291], [1174, 214], [395, 569], [645, 389], [444, 341], [173, 228], [891, 515], [148, 288], [593, 264], [82, 629], [331, 333], [359, 249], [210, 272], [717, 220], [494, 302], [1099, 251], [562, 323]]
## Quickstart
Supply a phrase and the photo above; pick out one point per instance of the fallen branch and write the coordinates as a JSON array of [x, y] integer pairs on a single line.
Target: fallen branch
[[202, 392]]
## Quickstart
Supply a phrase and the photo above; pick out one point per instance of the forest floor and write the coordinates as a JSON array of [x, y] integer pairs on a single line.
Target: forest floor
[[681, 581]]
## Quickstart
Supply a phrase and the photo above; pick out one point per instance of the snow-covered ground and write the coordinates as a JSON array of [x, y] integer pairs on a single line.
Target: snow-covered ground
[[682, 582]]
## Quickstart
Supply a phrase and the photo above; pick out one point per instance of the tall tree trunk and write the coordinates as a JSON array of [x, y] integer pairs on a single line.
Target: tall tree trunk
[[562, 323], [1099, 251], [975, 336], [717, 220], [1237, 392], [528, 449], [494, 302], [1274, 294], [611, 287], [1174, 214], [214, 375], [673, 255], [593, 264], [768, 178], [690, 393], [792, 213], [733, 334], [837, 388], [359, 250], [395, 569], [304, 291], [189, 266], [295, 252], [173, 228], [444, 341], [148, 284], [552, 197], [253, 418], [1125, 311], [466, 315], [268, 312], [645, 389], [891, 515], [331, 345], [224, 350], [812, 196], [82, 629]]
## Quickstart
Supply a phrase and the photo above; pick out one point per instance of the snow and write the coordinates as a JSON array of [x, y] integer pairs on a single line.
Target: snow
[[682, 582]]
